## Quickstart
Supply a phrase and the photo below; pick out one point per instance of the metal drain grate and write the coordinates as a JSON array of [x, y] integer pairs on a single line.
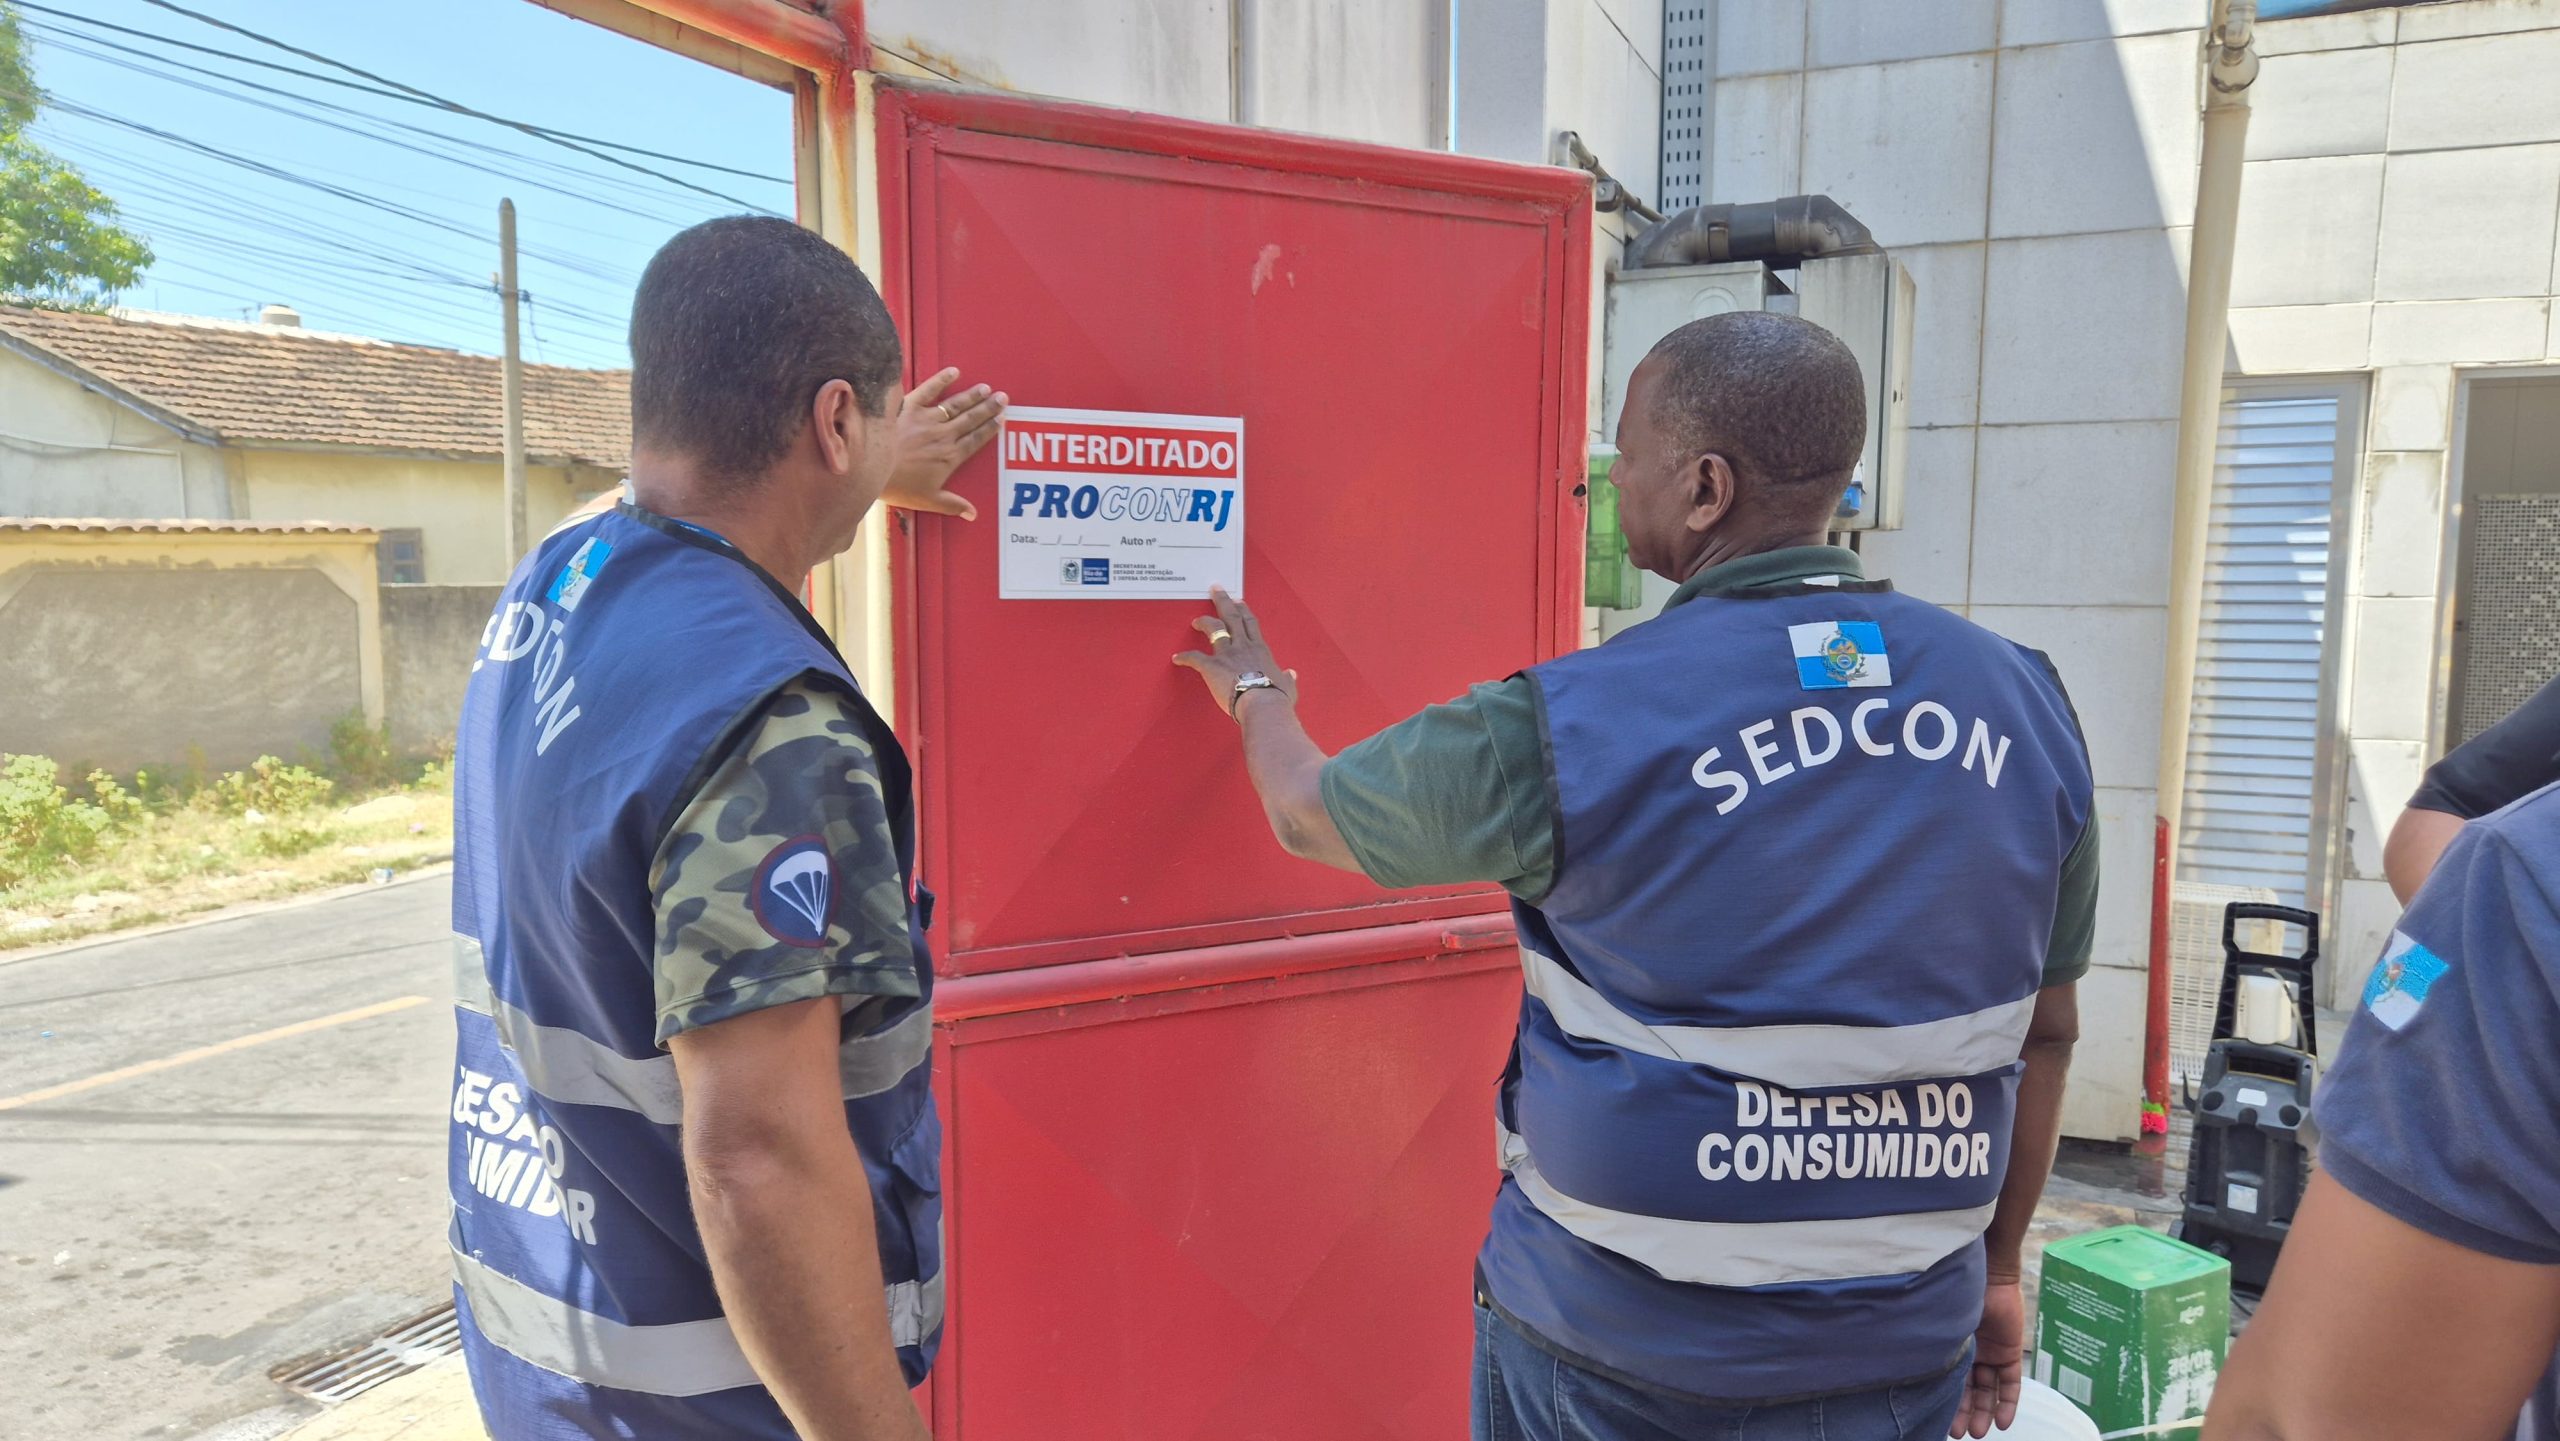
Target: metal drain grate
[[331, 1377]]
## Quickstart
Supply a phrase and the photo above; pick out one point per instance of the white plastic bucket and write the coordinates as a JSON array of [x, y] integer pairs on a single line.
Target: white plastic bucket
[[2044, 1416]]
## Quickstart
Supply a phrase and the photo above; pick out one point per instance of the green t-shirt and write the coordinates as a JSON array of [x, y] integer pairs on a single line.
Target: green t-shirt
[[1463, 791]]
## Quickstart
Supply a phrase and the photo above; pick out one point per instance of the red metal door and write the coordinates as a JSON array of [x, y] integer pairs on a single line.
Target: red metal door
[[1403, 335], [1245, 1210], [1217, 1151]]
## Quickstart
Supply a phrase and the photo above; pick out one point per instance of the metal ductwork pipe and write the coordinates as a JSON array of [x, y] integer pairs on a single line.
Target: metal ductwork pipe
[[1800, 227], [2230, 67]]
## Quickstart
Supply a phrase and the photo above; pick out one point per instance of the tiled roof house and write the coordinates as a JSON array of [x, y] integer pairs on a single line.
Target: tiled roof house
[[157, 417]]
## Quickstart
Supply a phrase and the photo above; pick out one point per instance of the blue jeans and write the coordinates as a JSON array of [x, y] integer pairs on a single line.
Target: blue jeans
[[1523, 1393]]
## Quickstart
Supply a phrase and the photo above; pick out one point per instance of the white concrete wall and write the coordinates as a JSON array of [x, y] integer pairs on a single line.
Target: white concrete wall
[[1372, 70], [68, 451], [2033, 164], [2399, 223], [1359, 71], [1355, 69], [1173, 57]]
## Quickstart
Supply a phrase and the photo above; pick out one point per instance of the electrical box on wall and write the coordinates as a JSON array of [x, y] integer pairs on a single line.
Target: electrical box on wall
[[1867, 300], [1646, 305]]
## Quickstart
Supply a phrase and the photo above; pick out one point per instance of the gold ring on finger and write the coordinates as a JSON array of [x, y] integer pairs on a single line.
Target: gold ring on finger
[[1220, 637]]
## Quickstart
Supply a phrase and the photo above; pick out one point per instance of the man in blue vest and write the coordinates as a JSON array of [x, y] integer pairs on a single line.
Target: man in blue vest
[[695, 1156], [1805, 875], [2419, 1290]]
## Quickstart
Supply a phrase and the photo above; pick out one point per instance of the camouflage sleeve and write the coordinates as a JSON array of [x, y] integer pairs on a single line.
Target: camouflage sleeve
[[779, 882]]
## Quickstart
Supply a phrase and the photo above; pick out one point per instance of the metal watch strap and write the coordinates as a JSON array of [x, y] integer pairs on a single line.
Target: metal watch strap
[[1252, 680]]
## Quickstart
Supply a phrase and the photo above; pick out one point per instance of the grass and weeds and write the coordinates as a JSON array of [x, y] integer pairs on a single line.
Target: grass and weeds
[[85, 854]]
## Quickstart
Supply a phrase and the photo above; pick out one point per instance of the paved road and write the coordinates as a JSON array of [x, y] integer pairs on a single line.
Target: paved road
[[167, 1236]]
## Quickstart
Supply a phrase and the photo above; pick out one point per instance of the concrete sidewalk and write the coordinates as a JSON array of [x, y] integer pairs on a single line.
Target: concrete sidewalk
[[430, 1405], [2092, 1188]]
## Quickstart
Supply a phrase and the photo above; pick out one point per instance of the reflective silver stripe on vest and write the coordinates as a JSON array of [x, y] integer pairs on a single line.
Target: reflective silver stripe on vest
[[470, 975], [685, 1358], [915, 1308], [572, 1068], [877, 1062], [1752, 1253], [1795, 1057]]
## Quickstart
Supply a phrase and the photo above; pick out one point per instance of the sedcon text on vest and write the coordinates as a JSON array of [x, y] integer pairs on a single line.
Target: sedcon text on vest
[[512, 1158], [1908, 1132], [524, 628], [1810, 737]]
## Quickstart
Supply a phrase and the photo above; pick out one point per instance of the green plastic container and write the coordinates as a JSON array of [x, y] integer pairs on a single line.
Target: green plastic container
[[1609, 580], [2131, 1326]]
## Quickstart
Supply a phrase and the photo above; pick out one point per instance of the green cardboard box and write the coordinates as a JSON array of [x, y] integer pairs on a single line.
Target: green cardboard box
[[2131, 1326]]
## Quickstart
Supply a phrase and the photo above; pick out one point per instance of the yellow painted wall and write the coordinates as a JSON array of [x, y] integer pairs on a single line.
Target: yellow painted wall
[[457, 504]]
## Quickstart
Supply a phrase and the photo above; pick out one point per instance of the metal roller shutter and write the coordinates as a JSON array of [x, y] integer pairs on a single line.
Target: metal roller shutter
[[2253, 755]]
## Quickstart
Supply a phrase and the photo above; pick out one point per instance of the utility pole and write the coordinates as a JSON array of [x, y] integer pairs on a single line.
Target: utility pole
[[517, 539]]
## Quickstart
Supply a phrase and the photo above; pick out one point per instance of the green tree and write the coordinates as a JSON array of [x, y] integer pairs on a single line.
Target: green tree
[[59, 241]]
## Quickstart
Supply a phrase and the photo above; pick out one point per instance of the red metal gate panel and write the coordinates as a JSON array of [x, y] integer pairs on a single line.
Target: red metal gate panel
[[1403, 334], [1243, 1211]]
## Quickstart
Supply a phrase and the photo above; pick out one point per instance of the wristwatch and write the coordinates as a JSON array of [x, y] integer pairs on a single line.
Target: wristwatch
[[1249, 681]]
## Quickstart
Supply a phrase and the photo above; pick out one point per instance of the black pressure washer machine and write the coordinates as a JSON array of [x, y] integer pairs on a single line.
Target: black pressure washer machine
[[2247, 1166]]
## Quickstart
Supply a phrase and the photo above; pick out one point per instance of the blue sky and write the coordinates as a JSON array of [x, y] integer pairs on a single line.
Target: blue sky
[[230, 239]]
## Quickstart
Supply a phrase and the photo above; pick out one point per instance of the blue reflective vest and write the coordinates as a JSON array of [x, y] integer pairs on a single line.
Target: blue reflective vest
[[1809, 853], [622, 654]]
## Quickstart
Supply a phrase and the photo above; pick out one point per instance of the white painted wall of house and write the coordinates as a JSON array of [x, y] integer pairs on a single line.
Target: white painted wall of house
[[66, 450]]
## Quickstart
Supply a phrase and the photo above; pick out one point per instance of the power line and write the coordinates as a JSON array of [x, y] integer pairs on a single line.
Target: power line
[[89, 148], [381, 325], [453, 105], [179, 191], [309, 104], [80, 46], [284, 237], [402, 93], [444, 296], [534, 327], [430, 287], [567, 262]]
